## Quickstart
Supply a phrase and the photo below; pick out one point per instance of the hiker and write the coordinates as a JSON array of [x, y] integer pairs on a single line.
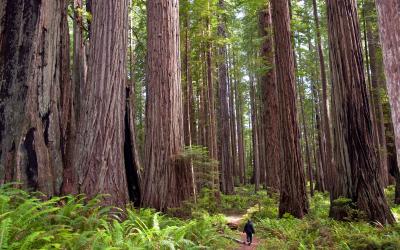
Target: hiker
[[249, 230]]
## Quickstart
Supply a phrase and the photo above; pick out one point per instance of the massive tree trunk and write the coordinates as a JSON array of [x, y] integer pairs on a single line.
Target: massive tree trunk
[[34, 90], [389, 19], [167, 179], [269, 97], [355, 156], [293, 196], [227, 186], [102, 130]]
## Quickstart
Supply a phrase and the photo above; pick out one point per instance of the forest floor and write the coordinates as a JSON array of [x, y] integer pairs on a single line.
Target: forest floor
[[237, 221], [28, 222]]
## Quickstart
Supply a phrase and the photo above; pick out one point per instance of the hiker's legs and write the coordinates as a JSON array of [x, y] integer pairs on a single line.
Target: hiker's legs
[[249, 238]]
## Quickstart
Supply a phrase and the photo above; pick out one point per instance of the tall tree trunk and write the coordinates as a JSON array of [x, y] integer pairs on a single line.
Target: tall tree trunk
[[68, 111], [255, 141], [355, 157], [319, 169], [373, 48], [100, 143], [270, 103], [35, 99], [326, 156], [225, 160], [293, 196], [239, 126], [232, 115], [167, 179], [389, 19], [211, 98], [306, 141]]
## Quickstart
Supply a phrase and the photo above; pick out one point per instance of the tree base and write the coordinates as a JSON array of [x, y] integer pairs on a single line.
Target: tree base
[[344, 209]]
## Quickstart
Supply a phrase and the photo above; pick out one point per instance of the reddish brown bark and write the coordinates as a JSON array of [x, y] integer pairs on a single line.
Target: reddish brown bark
[[34, 90], [376, 89], [167, 180], [389, 19], [100, 142], [227, 186], [355, 156], [293, 196], [269, 97]]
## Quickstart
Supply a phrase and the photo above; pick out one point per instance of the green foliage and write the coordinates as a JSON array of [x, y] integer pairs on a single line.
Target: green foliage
[[28, 222], [205, 168], [318, 231]]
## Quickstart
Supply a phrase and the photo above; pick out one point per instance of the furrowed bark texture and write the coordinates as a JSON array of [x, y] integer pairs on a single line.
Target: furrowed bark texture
[[269, 97], [100, 142], [167, 180], [354, 150], [293, 196], [32, 124], [389, 20]]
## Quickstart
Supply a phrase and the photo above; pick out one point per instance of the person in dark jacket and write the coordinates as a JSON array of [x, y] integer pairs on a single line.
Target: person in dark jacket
[[249, 230]]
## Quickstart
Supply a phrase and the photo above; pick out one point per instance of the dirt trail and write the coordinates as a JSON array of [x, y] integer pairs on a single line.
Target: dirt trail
[[235, 220]]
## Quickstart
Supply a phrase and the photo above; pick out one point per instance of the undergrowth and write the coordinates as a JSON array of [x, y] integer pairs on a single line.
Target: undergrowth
[[318, 231], [28, 222]]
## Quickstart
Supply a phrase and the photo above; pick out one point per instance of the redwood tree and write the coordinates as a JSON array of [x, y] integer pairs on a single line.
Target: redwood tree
[[35, 93], [293, 196], [389, 19], [356, 161], [100, 142], [326, 144], [224, 128], [167, 180], [269, 97]]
